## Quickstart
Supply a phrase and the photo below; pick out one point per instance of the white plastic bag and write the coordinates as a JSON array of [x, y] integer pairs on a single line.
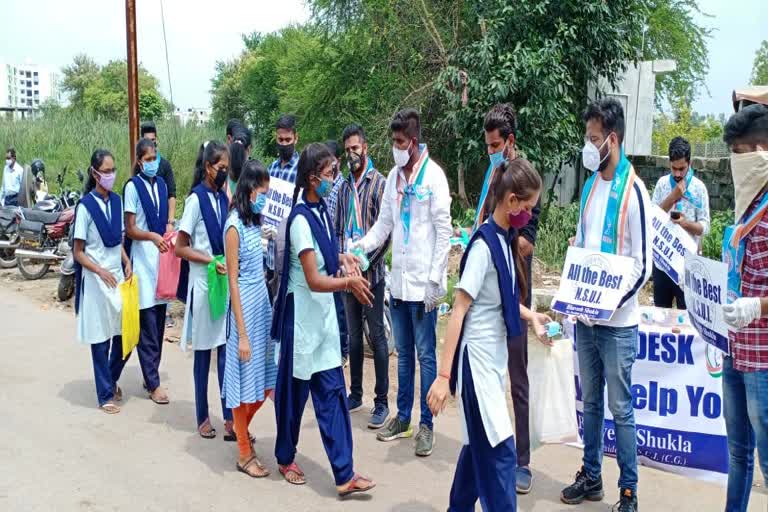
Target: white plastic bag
[[553, 396]]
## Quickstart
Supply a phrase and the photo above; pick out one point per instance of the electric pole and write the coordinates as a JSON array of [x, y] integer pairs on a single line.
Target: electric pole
[[133, 78]]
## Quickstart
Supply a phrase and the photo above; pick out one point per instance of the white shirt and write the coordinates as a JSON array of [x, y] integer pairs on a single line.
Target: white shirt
[[11, 181], [636, 244], [698, 190], [485, 336], [425, 257]]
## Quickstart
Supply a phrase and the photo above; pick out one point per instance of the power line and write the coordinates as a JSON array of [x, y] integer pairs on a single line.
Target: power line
[[167, 62]]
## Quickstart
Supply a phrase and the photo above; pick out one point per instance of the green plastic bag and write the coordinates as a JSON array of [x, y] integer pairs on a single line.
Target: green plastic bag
[[218, 288]]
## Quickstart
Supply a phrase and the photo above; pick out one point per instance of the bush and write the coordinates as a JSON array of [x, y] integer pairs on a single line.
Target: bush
[[557, 226], [712, 243]]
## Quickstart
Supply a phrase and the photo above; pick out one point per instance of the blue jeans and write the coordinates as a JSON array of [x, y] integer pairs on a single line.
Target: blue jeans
[[745, 398], [414, 329], [606, 354]]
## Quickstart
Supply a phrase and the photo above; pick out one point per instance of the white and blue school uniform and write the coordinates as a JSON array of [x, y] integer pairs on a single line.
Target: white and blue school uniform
[[487, 463], [311, 329], [148, 201], [205, 214], [99, 224]]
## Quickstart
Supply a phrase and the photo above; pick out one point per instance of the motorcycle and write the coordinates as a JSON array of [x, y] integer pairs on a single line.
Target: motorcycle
[[67, 270], [9, 239]]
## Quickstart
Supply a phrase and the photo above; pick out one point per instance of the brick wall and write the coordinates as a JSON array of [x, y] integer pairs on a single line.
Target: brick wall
[[714, 172]]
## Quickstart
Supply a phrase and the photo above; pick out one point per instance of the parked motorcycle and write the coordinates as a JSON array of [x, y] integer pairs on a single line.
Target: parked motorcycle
[[67, 271], [9, 239]]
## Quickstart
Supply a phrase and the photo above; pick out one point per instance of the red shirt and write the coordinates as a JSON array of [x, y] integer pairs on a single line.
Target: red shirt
[[749, 346]]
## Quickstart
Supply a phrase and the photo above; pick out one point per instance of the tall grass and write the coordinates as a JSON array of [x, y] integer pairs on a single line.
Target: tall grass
[[67, 139]]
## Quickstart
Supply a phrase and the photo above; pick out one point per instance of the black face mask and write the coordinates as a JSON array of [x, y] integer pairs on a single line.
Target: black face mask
[[221, 178], [354, 161], [286, 151]]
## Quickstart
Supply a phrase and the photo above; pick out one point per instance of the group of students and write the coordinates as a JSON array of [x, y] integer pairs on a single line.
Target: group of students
[[293, 342]]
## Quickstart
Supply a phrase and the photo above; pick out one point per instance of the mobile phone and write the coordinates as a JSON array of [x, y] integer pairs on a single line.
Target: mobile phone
[[675, 215]]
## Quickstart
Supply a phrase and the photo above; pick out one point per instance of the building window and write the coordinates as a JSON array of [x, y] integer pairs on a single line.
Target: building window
[[29, 93], [34, 74], [29, 83], [29, 74], [29, 103]]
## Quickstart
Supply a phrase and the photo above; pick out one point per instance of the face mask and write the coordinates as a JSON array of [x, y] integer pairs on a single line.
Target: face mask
[[150, 168], [498, 157], [220, 179], [8, 162], [325, 187], [520, 219], [259, 203], [590, 156], [354, 161], [401, 156], [285, 151], [750, 175], [107, 181]]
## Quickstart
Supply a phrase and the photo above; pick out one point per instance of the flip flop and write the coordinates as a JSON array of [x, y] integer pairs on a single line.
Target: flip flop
[[110, 408], [353, 486], [231, 436], [159, 401], [243, 468], [210, 434], [292, 469]]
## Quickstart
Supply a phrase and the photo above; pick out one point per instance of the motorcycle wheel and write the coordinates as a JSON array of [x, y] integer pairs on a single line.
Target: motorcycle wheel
[[32, 269], [66, 287], [7, 256]]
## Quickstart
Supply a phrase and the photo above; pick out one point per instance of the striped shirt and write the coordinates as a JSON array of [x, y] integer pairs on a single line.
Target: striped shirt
[[333, 199], [749, 346], [370, 196], [286, 172]]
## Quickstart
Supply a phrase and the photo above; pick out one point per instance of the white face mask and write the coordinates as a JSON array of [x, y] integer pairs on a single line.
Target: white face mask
[[590, 156], [750, 175], [8, 162], [401, 156]]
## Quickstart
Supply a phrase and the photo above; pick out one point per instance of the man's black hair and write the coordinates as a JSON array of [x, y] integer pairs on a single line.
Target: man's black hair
[[352, 130], [407, 122], [501, 117], [610, 113], [12, 151], [234, 126], [286, 122], [148, 127], [679, 148], [748, 126]]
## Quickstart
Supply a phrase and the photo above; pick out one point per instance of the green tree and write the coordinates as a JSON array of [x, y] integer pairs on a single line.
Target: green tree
[[760, 66], [78, 76], [697, 129]]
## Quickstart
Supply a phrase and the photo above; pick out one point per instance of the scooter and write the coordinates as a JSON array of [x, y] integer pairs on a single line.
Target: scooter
[[67, 270]]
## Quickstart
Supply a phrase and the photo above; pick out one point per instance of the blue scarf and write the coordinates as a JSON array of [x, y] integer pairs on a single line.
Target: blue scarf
[[413, 189], [156, 215], [509, 289], [621, 186], [110, 231], [214, 228], [735, 245], [282, 320], [688, 196], [484, 194]]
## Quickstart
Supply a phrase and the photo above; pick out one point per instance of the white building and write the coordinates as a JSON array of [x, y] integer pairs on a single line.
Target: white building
[[24, 87], [198, 116]]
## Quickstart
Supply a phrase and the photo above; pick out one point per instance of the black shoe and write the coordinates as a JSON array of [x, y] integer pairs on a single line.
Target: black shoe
[[627, 501], [584, 488]]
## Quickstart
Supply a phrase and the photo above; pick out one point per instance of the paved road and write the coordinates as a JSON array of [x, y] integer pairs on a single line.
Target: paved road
[[59, 452]]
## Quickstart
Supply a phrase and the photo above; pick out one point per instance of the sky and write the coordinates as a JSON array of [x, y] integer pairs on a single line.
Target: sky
[[201, 32]]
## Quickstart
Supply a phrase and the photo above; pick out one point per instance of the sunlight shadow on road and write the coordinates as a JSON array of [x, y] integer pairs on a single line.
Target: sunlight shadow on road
[[81, 393]]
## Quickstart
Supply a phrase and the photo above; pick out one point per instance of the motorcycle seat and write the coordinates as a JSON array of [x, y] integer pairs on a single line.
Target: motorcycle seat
[[41, 216]]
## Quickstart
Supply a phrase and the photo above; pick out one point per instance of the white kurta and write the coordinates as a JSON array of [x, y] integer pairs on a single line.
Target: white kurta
[[485, 336], [145, 256], [101, 307], [199, 328]]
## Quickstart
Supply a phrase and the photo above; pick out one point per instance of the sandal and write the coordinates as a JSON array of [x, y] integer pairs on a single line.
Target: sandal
[[162, 399], [355, 485], [209, 433], [243, 468], [292, 474], [118, 394], [110, 408]]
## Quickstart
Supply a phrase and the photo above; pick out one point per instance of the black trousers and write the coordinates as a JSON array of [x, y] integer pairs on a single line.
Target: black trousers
[[665, 290], [517, 364]]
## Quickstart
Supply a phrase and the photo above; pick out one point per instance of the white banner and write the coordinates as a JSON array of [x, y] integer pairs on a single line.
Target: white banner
[[592, 283], [279, 201], [677, 398], [670, 245], [706, 284]]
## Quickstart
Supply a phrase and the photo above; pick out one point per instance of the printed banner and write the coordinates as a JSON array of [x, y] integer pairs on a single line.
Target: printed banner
[[677, 398], [592, 283], [705, 294], [279, 201], [670, 245]]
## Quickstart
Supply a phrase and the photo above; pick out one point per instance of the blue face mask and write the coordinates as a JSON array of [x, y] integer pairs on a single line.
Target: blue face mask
[[498, 157], [324, 190], [258, 205], [150, 168]]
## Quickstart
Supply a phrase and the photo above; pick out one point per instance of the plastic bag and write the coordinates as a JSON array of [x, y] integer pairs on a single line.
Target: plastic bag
[[169, 269], [218, 289], [129, 291], [553, 397]]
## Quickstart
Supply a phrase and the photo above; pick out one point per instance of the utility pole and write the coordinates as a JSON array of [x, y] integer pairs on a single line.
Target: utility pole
[[133, 78]]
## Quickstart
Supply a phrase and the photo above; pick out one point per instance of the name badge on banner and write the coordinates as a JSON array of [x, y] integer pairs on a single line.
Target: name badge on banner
[[670, 245], [279, 201], [592, 283], [705, 294]]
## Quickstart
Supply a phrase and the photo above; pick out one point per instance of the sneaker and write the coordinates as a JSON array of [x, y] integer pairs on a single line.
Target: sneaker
[[627, 501], [379, 416], [354, 404], [583, 488], [523, 480], [395, 429], [425, 441]]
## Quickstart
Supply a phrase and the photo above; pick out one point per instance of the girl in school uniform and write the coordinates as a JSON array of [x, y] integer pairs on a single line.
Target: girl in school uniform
[[146, 221], [99, 260], [201, 238], [250, 371], [309, 323], [486, 312]]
